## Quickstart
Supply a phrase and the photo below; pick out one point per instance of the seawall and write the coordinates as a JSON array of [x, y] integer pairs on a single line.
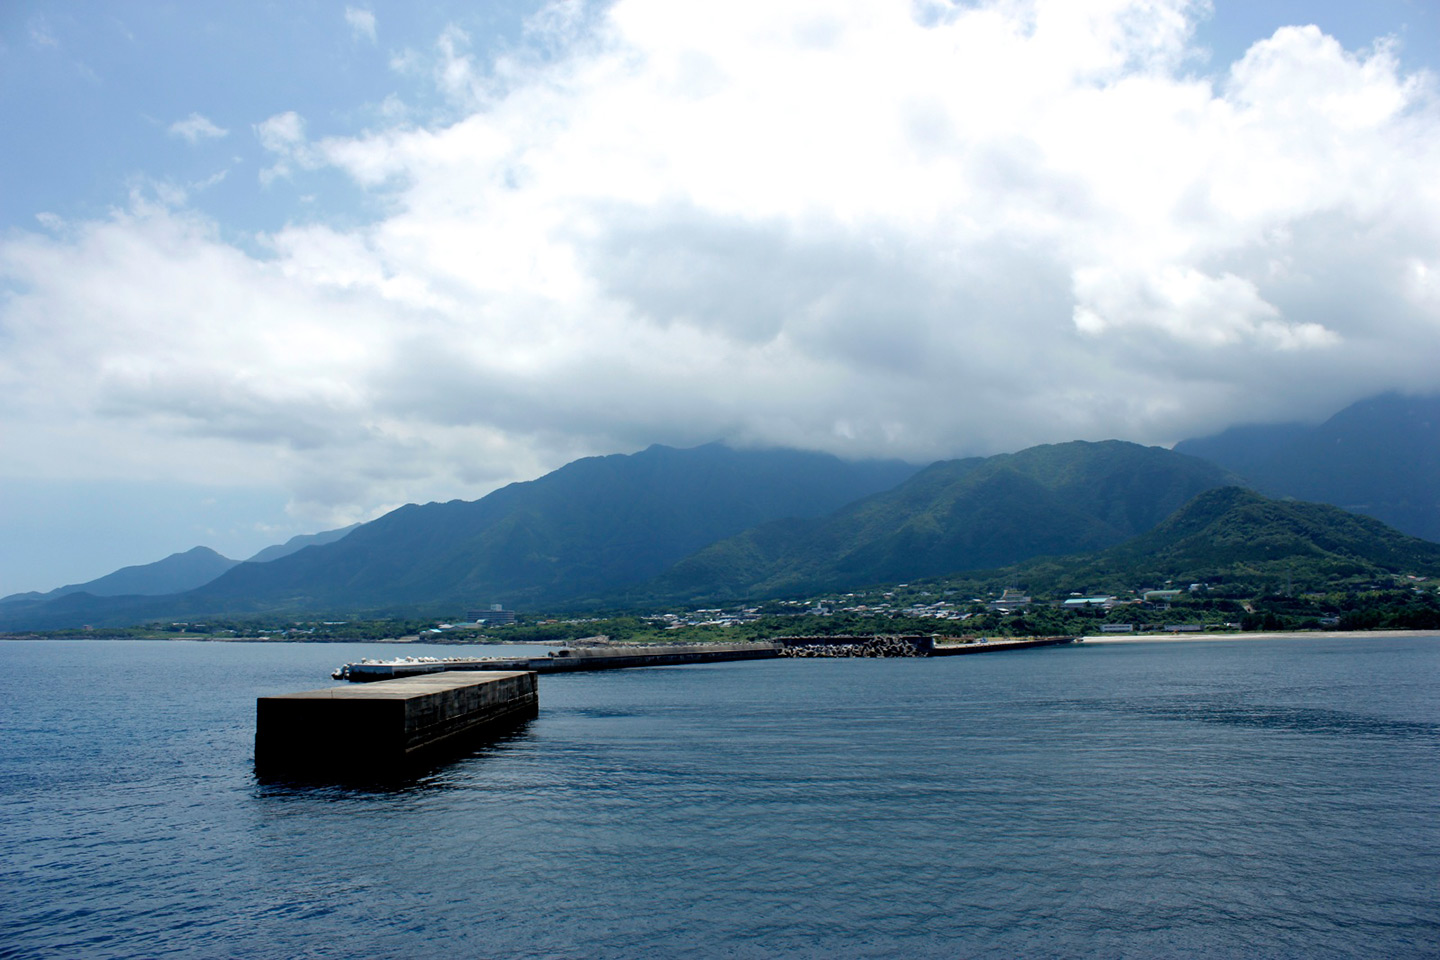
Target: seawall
[[991, 646], [567, 661]]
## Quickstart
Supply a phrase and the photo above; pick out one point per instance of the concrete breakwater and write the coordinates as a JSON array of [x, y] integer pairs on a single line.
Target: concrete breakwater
[[569, 660], [987, 645], [385, 726], [902, 645], [616, 656], [421, 706]]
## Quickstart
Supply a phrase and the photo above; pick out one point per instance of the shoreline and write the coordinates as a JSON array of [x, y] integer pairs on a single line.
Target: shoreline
[[1272, 635]]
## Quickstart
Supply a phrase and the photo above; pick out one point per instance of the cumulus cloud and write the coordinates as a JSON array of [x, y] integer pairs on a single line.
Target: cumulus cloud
[[865, 227], [282, 132], [195, 128]]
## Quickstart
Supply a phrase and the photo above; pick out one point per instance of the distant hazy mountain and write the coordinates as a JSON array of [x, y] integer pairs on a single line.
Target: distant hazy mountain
[[1245, 450], [1379, 457], [954, 516], [175, 574], [589, 528], [1232, 535], [298, 543]]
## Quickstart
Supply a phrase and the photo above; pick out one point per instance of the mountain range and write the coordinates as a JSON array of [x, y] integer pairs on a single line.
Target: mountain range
[[586, 530], [713, 523], [954, 516], [1231, 535], [296, 544], [177, 573]]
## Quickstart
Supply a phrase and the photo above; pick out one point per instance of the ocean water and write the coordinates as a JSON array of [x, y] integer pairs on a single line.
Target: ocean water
[[1221, 799]]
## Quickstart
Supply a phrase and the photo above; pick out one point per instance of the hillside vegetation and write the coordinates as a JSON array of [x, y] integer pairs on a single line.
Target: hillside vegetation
[[713, 525], [589, 529], [1242, 543], [954, 516], [1379, 457]]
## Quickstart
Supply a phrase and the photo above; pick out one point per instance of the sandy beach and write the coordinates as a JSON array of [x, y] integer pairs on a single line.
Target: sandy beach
[[1296, 635]]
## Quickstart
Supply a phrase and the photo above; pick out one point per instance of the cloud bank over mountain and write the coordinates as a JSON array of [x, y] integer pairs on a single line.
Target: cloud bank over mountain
[[868, 228]]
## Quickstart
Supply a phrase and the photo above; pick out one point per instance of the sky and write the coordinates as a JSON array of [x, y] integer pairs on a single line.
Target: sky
[[273, 268]]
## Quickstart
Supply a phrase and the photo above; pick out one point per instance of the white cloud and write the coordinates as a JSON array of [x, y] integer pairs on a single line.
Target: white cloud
[[1190, 307], [362, 23], [282, 132], [195, 128], [284, 135], [834, 225], [455, 70]]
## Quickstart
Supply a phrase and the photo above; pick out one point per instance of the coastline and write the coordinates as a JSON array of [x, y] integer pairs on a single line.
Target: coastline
[[1292, 635]]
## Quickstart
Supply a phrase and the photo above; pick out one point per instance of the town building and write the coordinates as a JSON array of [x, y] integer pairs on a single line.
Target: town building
[[1010, 601], [497, 615]]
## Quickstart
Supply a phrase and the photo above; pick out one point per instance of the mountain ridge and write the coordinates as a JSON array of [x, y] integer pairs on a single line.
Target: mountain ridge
[[1379, 456], [1232, 535], [300, 542], [594, 524], [587, 529], [713, 523], [953, 516], [176, 573]]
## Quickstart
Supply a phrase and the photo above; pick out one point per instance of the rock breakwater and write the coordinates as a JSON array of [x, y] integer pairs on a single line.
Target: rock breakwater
[[854, 647]]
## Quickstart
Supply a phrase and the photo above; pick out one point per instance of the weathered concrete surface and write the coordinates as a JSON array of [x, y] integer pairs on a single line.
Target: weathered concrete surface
[[991, 646], [380, 726]]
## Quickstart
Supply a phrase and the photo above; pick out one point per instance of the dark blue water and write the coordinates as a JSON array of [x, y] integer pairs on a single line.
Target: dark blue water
[[1227, 799]]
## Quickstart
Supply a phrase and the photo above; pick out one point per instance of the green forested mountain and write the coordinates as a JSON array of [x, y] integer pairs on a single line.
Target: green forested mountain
[[1246, 450], [1236, 537], [954, 516], [589, 528], [1379, 457], [713, 524]]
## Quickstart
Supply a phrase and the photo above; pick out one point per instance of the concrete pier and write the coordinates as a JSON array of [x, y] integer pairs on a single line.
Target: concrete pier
[[379, 727], [997, 644], [617, 656]]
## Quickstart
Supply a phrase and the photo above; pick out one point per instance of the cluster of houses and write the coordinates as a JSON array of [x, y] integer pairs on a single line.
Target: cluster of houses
[[1014, 601], [1011, 601], [714, 617]]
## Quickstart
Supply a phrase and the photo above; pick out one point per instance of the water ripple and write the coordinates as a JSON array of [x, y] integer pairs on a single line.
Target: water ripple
[[1294, 719], [1131, 802]]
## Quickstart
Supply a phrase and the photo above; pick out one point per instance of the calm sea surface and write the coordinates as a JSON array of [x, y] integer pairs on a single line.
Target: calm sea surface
[[1227, 799]]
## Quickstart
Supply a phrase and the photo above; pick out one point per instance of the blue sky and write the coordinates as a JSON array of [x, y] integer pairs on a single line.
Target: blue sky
[[273, 268], [98, 93]]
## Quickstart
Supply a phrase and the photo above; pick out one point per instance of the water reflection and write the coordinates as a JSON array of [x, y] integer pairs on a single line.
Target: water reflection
[[434, 770]]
